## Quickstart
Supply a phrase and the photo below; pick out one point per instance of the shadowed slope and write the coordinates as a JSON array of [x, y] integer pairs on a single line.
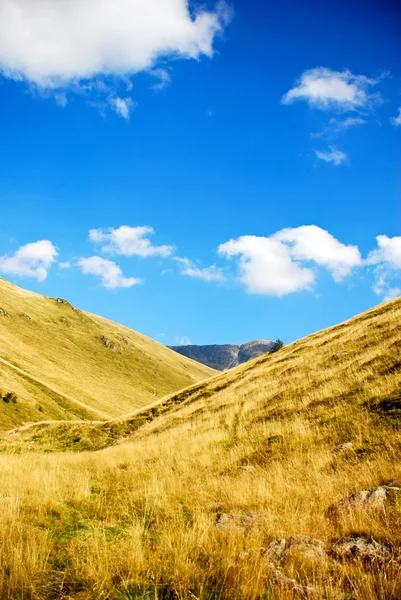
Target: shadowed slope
[[62, 363], [225, 356]]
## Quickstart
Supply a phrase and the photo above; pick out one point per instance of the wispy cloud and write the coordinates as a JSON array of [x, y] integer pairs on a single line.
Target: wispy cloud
[[190, 269], [123, 106], [397, 120], [31, 260], [337, 126], [332, 155], [387, 260]]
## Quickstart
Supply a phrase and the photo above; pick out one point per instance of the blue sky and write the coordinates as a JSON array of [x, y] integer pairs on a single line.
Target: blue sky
[[214, 174]]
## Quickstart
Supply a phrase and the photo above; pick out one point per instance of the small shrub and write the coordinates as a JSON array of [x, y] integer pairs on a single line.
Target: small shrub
[[278, 344], [9, 397]]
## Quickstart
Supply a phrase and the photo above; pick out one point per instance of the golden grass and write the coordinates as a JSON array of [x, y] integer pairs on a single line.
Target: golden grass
[[66, 364], [137, 519]]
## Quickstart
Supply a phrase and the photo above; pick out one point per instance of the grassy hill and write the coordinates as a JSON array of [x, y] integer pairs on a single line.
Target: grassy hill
[[57, 362], [186, 495]]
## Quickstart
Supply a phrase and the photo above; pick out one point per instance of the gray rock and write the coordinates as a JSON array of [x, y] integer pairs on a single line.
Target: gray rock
[[275, 549], [359, 548], [307, 548], [371, 499], [298, 546]]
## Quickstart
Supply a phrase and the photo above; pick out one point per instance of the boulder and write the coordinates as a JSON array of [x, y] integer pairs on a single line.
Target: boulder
[[276, 549], [363, 548], [302, 547], [371, 499]]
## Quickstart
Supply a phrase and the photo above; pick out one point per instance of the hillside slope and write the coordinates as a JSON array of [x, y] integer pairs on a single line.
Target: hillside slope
[[191, 492], [225, 356], [62, 363]]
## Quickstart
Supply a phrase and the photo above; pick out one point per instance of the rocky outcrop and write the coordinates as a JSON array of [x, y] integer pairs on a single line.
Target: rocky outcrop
[[225, 356], [300, 546], [362, 548], [371, 499]]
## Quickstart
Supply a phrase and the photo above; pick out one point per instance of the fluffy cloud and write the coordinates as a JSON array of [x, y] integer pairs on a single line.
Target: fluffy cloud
[[266, 267], [332, 155], [109, 272], [326, 89], [31, 260], [388, 252], [312, 243], [128, 241], [397, 120], [73, 45], [283, 263], [212, 273]]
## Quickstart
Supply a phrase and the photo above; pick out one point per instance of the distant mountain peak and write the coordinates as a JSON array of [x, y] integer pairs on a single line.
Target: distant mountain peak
[[225, 356]]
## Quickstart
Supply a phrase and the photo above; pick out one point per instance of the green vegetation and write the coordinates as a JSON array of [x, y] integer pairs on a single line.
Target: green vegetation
[[278, 344]]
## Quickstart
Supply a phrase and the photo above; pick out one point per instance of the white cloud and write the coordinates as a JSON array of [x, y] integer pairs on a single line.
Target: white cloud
[[281, 264], [332, 155], [185, 341], [123, 106], [163, 78], [326, 89], [387, 258], [212, 273], [346, 123], [31, 260], [64, 265], [397, 120], [109, 272], [382, 285], [73, 45], [128, 241], [313, 243], [266, 267], [388, 252]]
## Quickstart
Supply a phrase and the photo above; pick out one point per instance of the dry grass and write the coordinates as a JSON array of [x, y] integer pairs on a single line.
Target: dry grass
[[65, 364], [137, 519]]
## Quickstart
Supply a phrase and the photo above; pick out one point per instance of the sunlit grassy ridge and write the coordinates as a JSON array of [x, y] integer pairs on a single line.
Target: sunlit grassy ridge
[[138, 519], [62, 363]]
